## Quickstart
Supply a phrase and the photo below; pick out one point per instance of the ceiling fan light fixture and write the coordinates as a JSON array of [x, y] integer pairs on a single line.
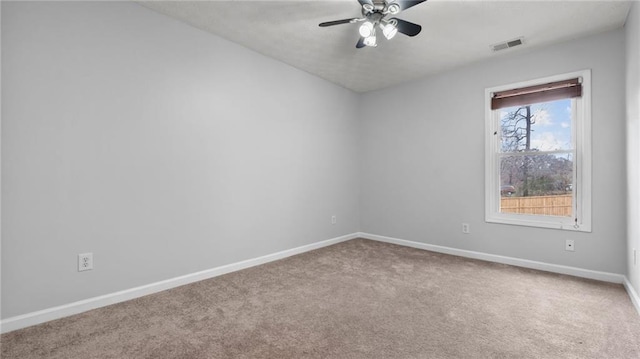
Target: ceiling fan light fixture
[[389, 30], [366, 29], [371, 40], [393, 8]]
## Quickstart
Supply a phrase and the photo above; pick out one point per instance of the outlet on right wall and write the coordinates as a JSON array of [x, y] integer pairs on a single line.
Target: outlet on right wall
[[632, 32]]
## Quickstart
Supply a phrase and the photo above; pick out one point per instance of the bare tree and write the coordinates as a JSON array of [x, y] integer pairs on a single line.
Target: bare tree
[[516, 130], [534, 173], [516, 137]]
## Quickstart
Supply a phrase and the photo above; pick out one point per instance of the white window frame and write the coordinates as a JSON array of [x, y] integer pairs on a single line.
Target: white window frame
[[581, 127]]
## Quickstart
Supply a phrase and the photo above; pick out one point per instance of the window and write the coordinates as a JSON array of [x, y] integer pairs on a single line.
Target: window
[[538, 153]]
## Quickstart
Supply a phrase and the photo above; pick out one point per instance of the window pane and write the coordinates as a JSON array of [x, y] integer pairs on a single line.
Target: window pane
[[539, 184], [538, 127]]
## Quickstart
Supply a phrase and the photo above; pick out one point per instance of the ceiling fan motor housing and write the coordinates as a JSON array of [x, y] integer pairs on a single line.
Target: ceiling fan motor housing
[[380, 7]]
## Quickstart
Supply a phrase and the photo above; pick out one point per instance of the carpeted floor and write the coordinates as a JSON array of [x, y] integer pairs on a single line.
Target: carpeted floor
[[357, 299]]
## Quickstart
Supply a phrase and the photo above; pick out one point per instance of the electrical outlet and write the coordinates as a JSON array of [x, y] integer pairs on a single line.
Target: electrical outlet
[[465, 228], [569, 245], [85, 261], [334, 220]]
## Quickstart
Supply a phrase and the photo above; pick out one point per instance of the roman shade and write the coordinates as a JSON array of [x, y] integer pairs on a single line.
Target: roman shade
[[539, 93]]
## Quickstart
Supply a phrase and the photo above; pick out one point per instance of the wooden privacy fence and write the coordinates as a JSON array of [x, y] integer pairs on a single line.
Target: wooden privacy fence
[[545, 205]]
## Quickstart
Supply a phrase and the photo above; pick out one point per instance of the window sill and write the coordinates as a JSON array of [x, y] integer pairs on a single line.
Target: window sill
[[538, 222]]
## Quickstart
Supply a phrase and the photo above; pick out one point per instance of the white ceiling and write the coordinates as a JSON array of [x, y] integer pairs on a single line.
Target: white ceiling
[[454, 33]]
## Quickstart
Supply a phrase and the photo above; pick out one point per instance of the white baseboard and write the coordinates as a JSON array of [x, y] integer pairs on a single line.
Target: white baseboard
[[635, 299], [555, 268], [29, 319]]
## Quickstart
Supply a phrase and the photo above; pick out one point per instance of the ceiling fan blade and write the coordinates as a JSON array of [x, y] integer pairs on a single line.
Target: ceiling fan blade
[[408, 28], [337, 22], [405, 4], [362, 2], [360, 43]]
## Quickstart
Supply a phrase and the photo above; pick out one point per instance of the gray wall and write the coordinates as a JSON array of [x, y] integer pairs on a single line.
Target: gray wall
[[422, 160], [165, 150], [632, 28], [160, 148]]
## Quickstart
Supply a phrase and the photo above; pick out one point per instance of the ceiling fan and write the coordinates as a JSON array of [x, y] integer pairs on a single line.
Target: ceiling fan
[[374, 15]]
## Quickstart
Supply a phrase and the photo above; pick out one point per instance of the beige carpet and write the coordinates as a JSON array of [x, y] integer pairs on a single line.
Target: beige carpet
[[358, 299]]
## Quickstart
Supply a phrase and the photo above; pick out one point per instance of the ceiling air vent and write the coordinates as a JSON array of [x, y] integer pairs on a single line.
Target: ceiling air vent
[[507, 44]]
